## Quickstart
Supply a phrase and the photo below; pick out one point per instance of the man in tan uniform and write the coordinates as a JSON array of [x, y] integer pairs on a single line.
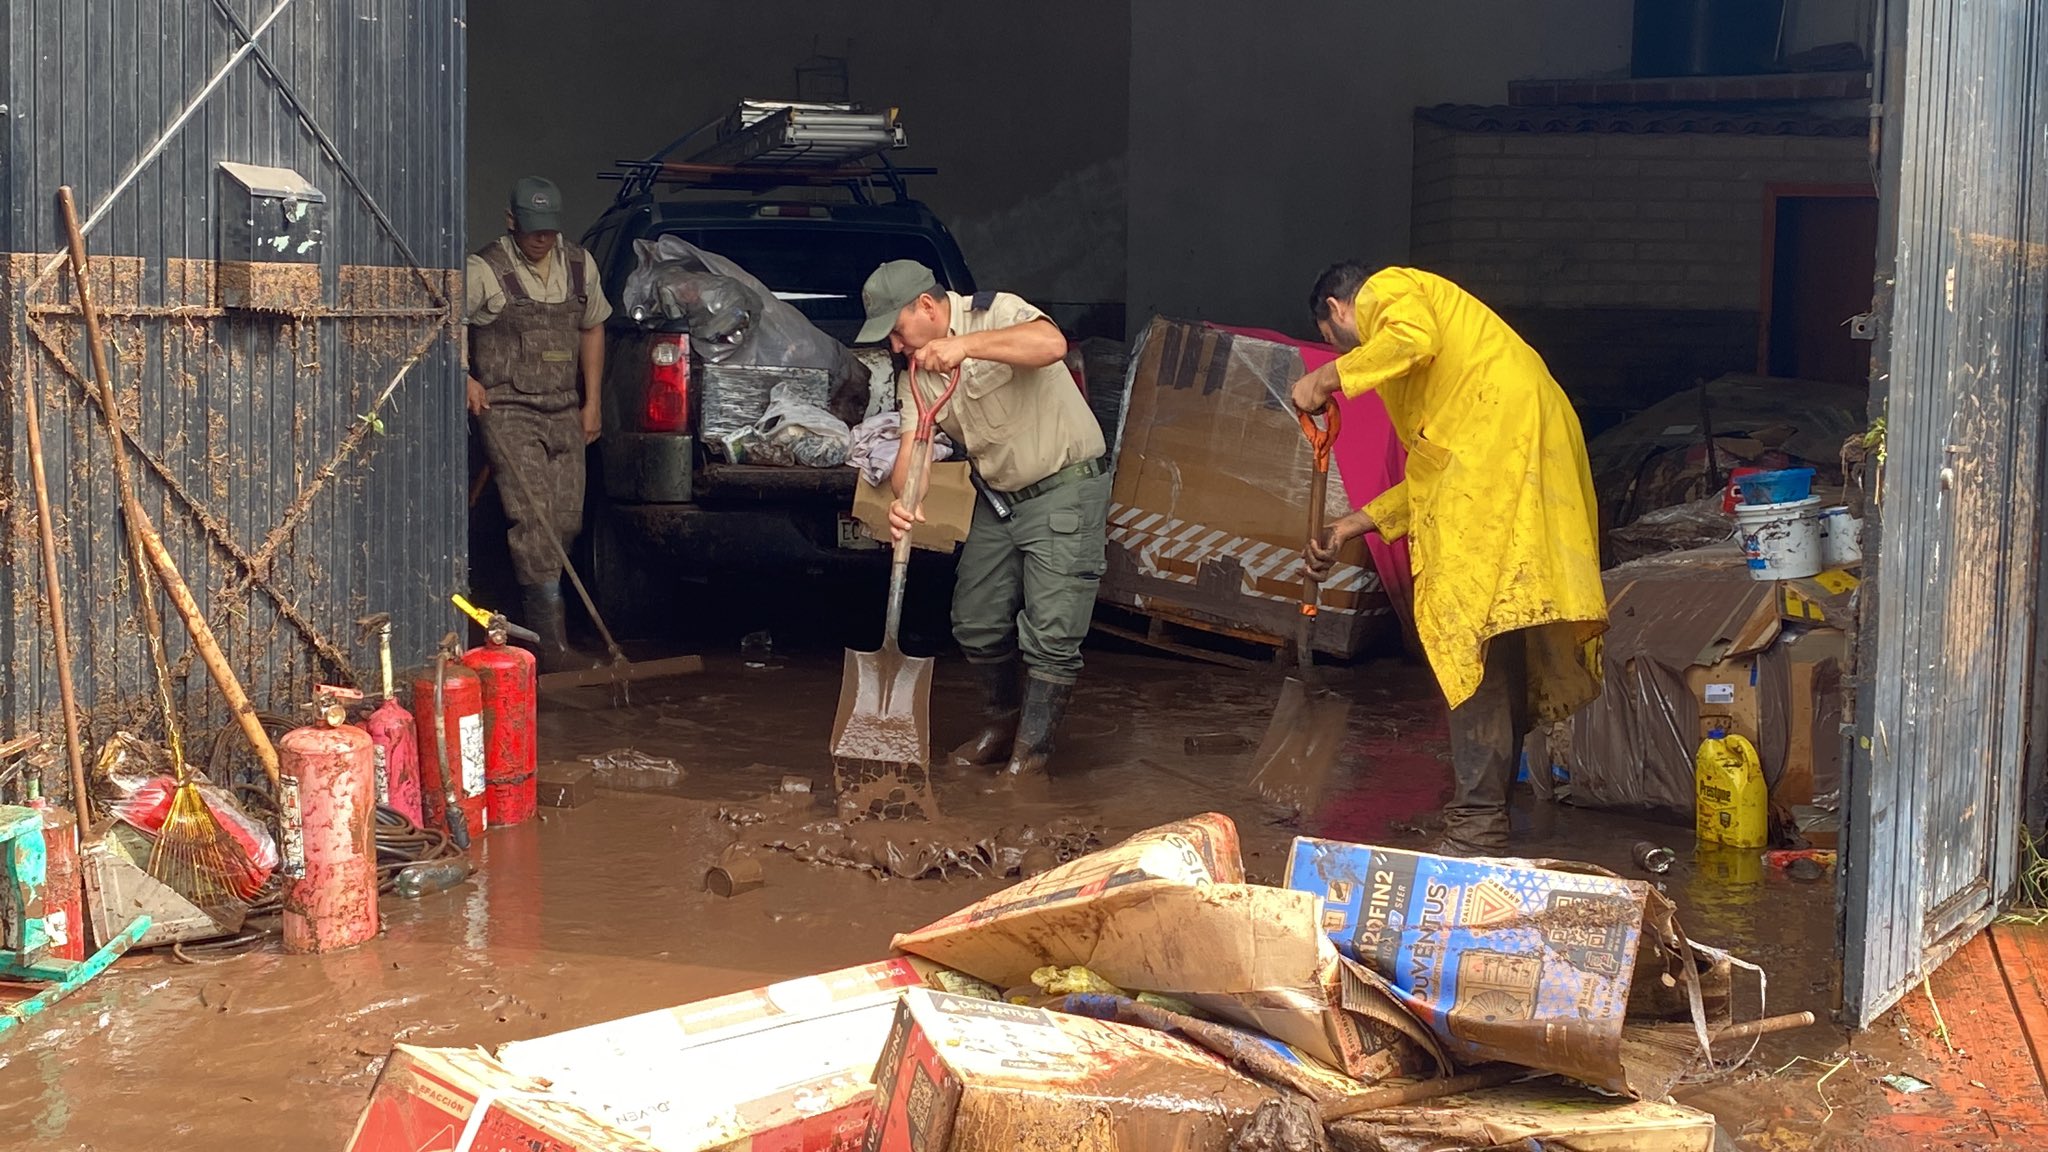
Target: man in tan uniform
[[1025, 590], [536, 316]]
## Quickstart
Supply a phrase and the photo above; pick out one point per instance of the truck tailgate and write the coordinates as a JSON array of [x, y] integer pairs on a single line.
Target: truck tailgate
[[733, 482]]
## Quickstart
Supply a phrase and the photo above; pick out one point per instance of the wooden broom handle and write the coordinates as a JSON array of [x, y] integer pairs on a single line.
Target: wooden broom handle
[[138, 520]]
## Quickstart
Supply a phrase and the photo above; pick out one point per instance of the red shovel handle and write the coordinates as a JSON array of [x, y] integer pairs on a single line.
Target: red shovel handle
[[928, 415], [1321, 436]]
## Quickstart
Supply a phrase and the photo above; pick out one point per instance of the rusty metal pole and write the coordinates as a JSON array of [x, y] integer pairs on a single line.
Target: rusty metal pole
[[143, 536], [53, 591]]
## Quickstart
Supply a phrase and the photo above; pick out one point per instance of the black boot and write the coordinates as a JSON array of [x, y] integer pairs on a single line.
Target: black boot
[[1045, 705], [543, 610], [1002, 687]]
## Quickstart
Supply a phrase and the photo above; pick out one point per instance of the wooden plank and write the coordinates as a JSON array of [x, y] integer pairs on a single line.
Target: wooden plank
[[2022, 952], [630, 673], [1208, 655]]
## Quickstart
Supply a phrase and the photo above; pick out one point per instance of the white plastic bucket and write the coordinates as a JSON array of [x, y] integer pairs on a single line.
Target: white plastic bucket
[[1841, 538], [1782, 541]]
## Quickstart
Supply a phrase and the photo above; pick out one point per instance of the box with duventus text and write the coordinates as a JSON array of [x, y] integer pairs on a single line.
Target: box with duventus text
[[965, 1075], [1209, 509], [787, 1067], [1501, 959], [1167, 911], [1694, 644]]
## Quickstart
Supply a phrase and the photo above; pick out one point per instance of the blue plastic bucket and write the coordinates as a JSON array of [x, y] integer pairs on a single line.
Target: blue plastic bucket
[[1785, 486]]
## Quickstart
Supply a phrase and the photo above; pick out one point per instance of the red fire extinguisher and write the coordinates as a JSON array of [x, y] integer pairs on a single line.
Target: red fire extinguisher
[[394, 738], [511, 720], [331, 766], [452, 744], [64, 906]]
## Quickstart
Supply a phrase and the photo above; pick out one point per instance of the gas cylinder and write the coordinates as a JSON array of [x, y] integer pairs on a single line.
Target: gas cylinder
[[396, 741], [463, 731], [330, 765], [1733, 803], [511, 792], [64, 886]]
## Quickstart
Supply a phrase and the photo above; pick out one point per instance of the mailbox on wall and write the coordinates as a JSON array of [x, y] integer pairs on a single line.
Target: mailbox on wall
[[272, 225]]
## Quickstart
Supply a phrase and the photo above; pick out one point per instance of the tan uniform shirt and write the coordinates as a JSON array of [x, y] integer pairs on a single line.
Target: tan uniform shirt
[[547, 282], [1020, 425]]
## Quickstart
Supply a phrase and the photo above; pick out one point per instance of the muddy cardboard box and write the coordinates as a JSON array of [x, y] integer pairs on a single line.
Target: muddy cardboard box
[[1163, 912], [1209, 507], [962, 1075], [787, 1067], [462, 1100], [1503, 961]]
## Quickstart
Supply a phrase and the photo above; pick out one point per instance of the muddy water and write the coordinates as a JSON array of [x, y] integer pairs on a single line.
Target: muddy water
[[595, 913]]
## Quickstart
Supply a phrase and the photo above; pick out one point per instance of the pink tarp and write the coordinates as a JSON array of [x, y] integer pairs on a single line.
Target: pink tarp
[[1369, 458]]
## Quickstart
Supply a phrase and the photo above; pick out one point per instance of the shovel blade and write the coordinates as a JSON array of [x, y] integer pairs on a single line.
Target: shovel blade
[[1292, 765], [884, 709]]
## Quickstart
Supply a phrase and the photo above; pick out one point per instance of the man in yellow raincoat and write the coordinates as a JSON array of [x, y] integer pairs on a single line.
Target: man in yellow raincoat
[[1497, 505]]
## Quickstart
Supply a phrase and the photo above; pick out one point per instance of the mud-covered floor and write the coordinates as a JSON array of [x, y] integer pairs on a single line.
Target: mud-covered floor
[[599, 912]]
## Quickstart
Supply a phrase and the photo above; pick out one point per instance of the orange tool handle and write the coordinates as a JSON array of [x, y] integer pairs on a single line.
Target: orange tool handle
[[1321, 437]]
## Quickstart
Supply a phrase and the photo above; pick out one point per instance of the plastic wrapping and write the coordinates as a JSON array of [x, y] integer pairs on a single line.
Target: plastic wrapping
[[735, 397], [149, 805], [776, 334], [719, 311], [794, 432], [1206, 513], [1673, 529]]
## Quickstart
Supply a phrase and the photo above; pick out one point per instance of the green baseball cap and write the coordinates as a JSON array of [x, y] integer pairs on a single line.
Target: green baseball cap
[[889, 291], [536, 205]]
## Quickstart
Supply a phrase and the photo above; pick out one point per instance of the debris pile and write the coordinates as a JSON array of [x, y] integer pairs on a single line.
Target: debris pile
[[1147, 996]]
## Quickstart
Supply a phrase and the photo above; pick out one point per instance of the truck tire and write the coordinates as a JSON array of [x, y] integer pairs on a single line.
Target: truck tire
[[619, 580]]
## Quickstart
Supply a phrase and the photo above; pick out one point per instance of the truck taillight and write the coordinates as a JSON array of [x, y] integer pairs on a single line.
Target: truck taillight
[[668, 386]]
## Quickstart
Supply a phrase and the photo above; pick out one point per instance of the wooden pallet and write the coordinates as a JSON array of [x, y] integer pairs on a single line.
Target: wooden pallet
[[1184, 634]]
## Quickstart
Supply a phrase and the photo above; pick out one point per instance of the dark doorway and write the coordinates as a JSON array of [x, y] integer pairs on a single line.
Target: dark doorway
[[1820, 254]]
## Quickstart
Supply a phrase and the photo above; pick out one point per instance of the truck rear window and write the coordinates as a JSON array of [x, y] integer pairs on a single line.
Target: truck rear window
[[819, 270]]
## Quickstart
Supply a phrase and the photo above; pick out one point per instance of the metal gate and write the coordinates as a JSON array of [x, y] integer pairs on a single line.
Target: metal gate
[[1933, 797], [297, 426]]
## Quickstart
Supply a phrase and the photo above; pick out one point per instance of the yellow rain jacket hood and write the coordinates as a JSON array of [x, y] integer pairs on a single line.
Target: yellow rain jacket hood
[[1497, 503]]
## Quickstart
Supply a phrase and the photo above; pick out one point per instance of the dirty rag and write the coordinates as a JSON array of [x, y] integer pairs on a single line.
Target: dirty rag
[[876, 440]]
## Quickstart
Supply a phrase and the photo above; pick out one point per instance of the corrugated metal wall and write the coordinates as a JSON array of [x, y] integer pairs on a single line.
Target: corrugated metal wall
[[289, 514], [1934, 789]]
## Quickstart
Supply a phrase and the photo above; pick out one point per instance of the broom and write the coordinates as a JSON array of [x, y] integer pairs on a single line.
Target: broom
[[194, 854]]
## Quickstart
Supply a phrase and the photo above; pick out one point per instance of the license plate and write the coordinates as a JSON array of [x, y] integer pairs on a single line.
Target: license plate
[[854, 534]]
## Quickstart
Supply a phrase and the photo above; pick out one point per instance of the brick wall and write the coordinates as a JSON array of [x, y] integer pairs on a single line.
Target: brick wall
[[1632, 261]]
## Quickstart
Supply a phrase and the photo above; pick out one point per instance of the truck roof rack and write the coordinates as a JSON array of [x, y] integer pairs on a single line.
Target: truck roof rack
[[766, 144]]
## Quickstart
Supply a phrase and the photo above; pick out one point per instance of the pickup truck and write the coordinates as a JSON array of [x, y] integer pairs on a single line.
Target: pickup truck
[[668, 509]]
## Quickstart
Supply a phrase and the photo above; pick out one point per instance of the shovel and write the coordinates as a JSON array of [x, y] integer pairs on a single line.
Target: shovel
[[1293, 761], [883, 728]]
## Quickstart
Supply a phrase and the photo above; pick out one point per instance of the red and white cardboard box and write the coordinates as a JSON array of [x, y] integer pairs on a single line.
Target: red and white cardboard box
[[787, 1068]]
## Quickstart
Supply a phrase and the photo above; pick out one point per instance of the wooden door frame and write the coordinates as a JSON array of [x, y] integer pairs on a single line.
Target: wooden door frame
[[1772, 194]]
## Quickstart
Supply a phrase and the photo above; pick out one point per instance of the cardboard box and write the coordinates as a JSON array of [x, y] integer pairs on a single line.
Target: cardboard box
[[1543, 1114], [1695, 643], [1502, 961], [787, 1067], [1208, 510], [963, 1075], [462, 1100], [1150, 915], [948, 508]]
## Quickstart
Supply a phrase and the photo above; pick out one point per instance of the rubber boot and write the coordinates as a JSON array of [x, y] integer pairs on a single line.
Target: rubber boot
[[543, 610], [1045, 705], [1002, 687]]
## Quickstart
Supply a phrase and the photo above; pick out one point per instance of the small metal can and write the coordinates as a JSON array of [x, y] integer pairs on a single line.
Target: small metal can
[[1652, 857]]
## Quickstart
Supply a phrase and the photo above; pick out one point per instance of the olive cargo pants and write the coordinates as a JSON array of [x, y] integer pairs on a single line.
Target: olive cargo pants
[[538, 458], [1028, 584]]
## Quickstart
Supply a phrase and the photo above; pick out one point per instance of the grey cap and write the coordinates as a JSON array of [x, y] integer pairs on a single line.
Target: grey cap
[[889, 291], [536, 205]]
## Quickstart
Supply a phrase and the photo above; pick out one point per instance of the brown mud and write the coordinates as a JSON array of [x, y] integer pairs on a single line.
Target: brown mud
[[590, 914]]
